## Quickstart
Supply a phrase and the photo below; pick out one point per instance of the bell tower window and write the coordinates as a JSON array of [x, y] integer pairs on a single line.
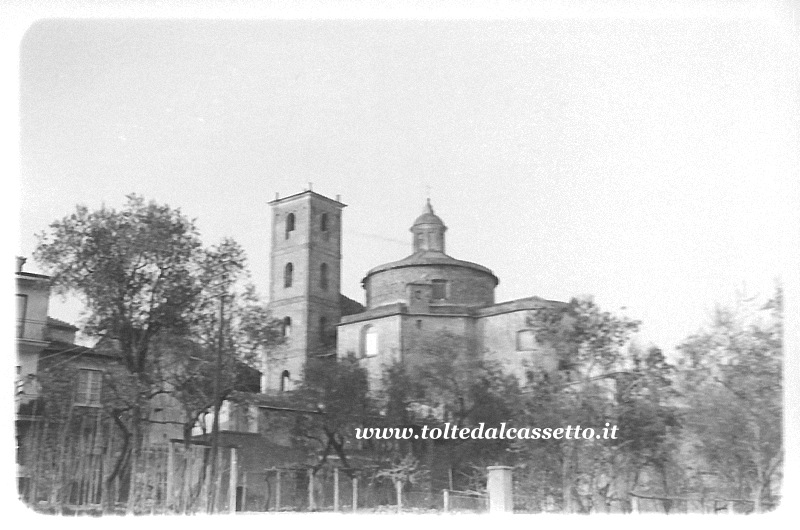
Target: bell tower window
[[289, 225], [323, 276], [287, 327], [288, 275], [323, 330]]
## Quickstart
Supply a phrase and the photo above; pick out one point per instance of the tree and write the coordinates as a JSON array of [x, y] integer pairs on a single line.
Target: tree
[[445, 379], [594, 371], [136, 272], [733, 392], [336, 394], [135, 269], [181, 318]]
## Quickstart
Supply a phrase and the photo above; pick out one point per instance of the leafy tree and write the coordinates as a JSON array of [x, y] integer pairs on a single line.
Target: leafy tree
[[733, 392], [590, 346], [181, 319], [135, 269], [136, 272], [337, 390], [445, 379]]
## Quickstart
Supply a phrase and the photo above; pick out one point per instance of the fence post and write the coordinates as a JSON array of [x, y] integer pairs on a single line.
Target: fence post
[[278, 491], [398, 488], [234, 472], [730, 509], [132, 481], [243, 505], [634, 504], [206, 490], [446, 500], [311, 505], [355, 493], [217, 505], [500, 490], [336, 489], [170, 474]]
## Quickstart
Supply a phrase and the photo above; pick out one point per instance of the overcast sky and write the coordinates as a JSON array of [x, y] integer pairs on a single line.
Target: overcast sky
[[648, 162]]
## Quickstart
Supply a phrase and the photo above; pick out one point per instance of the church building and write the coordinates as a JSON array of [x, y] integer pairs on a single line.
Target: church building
[[409, 302]]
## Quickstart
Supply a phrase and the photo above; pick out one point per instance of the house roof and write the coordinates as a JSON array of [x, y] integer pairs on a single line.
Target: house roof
[[61, 347], [56, 323]]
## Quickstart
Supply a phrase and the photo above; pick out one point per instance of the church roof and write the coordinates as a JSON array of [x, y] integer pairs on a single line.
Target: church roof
[[430, 257]]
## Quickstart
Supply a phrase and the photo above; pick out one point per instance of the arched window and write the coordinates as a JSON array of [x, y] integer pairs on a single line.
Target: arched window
[[526, 340], [323, 227], [369, 341], [289, 224], [323, 276], [287, 327], [286, 381], [288, 273]]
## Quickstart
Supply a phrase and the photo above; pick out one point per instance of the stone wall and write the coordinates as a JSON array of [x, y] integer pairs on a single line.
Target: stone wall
[[498, 332], [466, 286], [390, 344]]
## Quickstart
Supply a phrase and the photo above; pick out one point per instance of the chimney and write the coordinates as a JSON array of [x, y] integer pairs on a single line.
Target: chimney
[[20, 263]]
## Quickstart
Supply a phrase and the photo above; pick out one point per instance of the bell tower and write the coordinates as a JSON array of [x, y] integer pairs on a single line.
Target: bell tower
[[305, 276]]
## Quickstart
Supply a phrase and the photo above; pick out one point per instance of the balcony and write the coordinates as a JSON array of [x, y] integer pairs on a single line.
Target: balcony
[[29, 329]]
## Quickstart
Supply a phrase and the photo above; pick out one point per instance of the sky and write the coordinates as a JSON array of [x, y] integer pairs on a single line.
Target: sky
[[650, 162]]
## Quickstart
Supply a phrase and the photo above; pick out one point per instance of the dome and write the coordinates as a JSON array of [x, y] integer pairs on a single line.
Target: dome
[[464, 283], [430, 257], [428, 217]]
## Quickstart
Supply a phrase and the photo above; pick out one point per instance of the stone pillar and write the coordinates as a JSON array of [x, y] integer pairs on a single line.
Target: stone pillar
[[498, 484]]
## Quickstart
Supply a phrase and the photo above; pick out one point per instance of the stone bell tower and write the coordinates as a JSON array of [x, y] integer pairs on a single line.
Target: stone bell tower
[[305, 277]]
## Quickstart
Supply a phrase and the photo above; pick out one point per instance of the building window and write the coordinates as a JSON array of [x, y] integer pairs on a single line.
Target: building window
[[323, 227], [19, 382], [526, 340], [439, 291], [419, 324], [323, 276], [323, 326], [286, 381], [287, 327], [369, 341], [289, 224], [288, 273], [90, 383], [22, 311]]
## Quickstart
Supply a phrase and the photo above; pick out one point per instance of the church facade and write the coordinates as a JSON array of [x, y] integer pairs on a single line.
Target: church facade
[[409, 302]]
